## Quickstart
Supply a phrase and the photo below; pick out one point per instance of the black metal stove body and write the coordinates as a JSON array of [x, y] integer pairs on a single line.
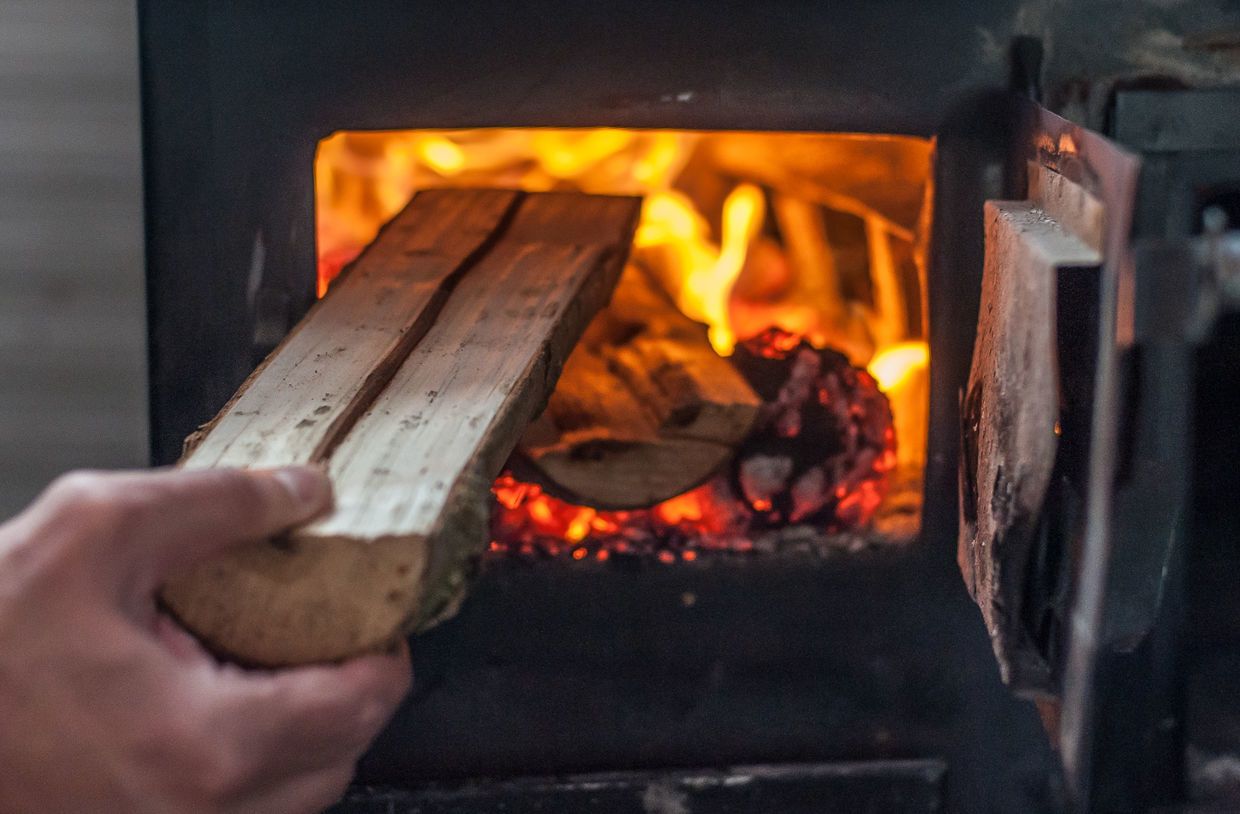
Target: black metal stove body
[[555, 668]]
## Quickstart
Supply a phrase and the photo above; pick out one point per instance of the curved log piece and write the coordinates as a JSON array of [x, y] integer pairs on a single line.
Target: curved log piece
[[644, 411], [824, 442]]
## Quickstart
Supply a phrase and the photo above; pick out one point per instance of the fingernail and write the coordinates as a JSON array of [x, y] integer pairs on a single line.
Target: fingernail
[[305, 483]]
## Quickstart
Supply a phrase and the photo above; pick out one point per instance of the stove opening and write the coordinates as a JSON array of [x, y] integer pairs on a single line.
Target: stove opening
[[759, 383]]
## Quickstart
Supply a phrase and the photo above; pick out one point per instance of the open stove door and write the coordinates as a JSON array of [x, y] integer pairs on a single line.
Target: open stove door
[[1070, 498]]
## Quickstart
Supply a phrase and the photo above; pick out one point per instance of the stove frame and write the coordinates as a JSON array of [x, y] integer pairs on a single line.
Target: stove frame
[[554, 667]]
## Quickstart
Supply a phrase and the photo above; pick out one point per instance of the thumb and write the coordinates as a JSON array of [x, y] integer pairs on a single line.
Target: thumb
[[330, 711], [153, 524]]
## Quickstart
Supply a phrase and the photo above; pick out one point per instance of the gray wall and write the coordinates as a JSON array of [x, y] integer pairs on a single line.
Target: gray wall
[[72, 314]]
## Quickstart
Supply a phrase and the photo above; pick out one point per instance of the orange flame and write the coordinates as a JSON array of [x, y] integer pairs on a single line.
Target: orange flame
[[702, 253], [891, 366]]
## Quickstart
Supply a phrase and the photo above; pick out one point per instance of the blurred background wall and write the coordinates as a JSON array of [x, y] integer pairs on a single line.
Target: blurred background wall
[[72, 311]]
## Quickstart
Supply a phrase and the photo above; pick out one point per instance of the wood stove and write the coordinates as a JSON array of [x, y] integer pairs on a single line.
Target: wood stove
[[855, 676]]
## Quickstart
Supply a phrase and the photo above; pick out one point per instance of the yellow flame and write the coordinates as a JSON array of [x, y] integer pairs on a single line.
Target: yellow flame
[[743, 211], [566, 154], [707, 273], [892, 365], [363, 179], [669, 217], [656, 163], [442, 155]]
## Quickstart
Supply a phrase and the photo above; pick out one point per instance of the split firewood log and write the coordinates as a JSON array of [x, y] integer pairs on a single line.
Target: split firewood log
[[411, 382], [1037, 266], [645, 409]]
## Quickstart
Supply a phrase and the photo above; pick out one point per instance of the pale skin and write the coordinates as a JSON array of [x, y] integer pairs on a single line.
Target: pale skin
[[107, 705]]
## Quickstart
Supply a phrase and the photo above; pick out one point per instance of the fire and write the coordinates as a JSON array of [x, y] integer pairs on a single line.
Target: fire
[[706, 290], [837, 490], [818, 235], [442, 155], [670, 223], [705, 272], [891, 366], [532, 522]]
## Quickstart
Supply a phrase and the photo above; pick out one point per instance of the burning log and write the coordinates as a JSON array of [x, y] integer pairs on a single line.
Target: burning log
[[412, 380], [824, 442], [817, 283], [645, 410], [818, 460], [841, 172]]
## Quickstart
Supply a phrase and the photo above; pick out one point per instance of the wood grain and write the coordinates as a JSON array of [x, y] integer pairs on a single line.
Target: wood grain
[[645, 410], [412, 475], [1069, 203], [306, 395], [1010, 414]]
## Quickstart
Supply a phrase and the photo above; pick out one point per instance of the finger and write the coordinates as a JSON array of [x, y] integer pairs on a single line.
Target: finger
[[178, 642], [331, 713], [307, 792], [346, 704], [168, 520]]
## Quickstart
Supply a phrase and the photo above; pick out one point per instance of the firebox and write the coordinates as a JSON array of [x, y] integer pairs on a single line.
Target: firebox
[[805, 257], [839, 196]]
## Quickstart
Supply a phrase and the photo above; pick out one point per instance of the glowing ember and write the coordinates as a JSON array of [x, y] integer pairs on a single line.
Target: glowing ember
[[525, 517], [819, 235], [820, 457], [825, 443]]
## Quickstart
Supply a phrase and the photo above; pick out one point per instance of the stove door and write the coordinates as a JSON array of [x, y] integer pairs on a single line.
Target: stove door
[[1026, 418], [1044, 424]]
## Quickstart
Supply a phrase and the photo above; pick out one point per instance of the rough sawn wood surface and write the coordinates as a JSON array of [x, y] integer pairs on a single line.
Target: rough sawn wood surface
[[412, 381]]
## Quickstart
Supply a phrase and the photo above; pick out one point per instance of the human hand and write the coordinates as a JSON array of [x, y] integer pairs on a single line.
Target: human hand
[[107, 705]]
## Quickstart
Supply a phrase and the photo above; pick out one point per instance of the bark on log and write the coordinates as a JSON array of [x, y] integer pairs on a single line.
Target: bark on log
[[823, 447], [645, 410], [412, 381], [1010, 419]]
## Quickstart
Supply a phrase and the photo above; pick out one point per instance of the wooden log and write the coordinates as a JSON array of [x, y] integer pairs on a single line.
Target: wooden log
[[307, 393], [495, 289], [823, 446], [1011, 414], [645, 410]]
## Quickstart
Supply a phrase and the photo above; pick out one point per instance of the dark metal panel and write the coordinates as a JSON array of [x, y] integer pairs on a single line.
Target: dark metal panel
[[558, 666], [1212, 579], [881, 787], [1140, 639], [1174, 121], [848, 66], [236, 96]]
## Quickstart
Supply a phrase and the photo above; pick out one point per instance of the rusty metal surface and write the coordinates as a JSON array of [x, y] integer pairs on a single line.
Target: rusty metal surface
[[1013, 424], [1110, 173]]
